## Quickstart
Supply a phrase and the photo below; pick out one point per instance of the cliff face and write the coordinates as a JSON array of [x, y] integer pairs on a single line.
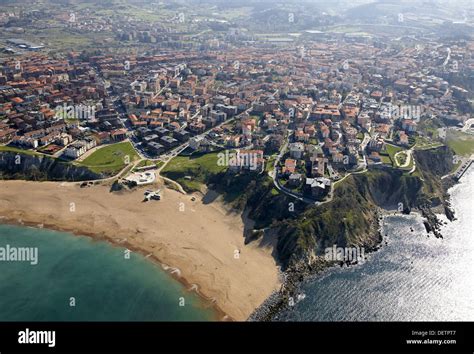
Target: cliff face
[[350, 219], [438, 162], [432, 165], [41, 168]]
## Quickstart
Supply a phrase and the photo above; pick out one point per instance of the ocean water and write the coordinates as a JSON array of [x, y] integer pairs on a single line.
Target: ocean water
[[104, 284], [411, 278]]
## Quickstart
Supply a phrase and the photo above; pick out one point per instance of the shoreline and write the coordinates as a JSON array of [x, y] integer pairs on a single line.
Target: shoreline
[[195, 246], [278, 302], [220, 315], [298, 274]]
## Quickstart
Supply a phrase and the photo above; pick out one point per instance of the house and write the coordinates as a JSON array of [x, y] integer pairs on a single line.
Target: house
[[409, 125], [25, 142], [162, 131], [197, 127], [248, 126], [275, 142], [295, 179], [218, 116], [103, 137], [232, 141], [375, 156], [90, 142], [314, 151], [318, 187], [301, 136], [63, 139], [289, 168], [248, 160], [155, 148], [75, 150], [168, 141], [181, 135], [382, 130], [230, 111], [318, 167], [195, 142], [403, 138], [118, 134], [324, 131], [150, 139], [6, 135], [143, 131], [297, 150], [376, 144]]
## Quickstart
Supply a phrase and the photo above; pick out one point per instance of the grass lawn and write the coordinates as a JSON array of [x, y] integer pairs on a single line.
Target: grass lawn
[[461, 143], [110, 159], [20, 151], [193, 171], [401, 158], [146, 163], [269, 163], [391, 150], [424, 143], [386, 159]]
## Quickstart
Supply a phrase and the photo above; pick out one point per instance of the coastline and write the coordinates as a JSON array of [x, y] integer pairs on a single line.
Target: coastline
[[296, 276], [220, 315], [407, 251], [233, 290]]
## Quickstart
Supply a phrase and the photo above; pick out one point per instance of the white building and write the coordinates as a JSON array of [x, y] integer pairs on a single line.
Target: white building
[[75, 150], [195, 143], [296, 150]]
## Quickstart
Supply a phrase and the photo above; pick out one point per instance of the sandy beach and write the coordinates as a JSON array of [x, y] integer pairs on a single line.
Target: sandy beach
[[201, 240]]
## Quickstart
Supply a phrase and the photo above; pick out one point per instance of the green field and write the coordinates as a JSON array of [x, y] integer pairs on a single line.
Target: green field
[[391, 150], [461, 143], [269, 163], [110, 159], [193, 171], [20, 151], [424, 143], [396, 162], [401, 158], [146, 163]]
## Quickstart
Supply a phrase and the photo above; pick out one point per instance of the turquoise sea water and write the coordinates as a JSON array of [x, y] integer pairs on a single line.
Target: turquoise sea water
[[104, 284]]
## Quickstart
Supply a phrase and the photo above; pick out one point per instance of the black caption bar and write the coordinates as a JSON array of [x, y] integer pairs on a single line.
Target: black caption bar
[[237, 337]]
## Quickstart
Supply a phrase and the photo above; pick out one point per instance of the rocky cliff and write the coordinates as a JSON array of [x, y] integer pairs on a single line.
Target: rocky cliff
[[41, 168], [352, 218]]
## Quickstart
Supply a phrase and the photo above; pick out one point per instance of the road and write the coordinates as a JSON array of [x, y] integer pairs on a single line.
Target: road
[[176, 151], [463, 162], [408, 154], [273, 175], [409, 158]]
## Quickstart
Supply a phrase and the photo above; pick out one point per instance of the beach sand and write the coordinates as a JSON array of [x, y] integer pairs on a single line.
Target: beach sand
[[201, 240]]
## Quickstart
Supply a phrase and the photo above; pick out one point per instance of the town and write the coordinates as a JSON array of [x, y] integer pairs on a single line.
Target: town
[[327, 106]]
